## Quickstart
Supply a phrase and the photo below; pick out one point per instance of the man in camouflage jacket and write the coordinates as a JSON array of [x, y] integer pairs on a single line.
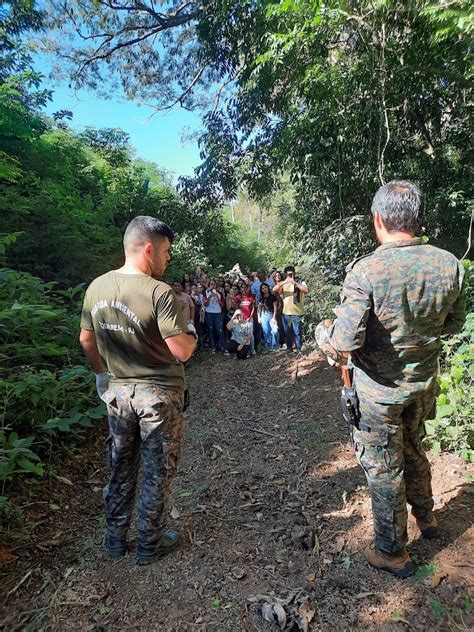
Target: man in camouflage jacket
[[396, 304]]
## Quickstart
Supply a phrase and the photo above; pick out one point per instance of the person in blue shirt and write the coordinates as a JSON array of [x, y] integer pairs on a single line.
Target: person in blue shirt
[[261, 278]]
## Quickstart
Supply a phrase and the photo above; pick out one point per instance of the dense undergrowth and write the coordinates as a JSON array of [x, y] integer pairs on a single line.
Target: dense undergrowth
[[453, 427], [47, 392]]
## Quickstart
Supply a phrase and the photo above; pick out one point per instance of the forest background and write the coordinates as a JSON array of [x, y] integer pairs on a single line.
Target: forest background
[[307, 107]]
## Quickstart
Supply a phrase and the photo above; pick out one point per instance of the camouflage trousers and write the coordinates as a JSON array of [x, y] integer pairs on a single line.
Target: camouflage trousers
[[146, 424], [393, 458]]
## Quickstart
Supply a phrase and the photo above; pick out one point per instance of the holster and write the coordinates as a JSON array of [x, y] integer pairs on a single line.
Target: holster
[[350, 402], [350, 406]]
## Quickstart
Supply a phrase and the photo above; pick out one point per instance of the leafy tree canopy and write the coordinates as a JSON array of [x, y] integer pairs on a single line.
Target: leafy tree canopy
[[342, 96]]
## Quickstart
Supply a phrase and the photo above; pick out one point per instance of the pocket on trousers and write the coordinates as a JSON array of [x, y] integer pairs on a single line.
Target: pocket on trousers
[[109, 398], [377, 437]]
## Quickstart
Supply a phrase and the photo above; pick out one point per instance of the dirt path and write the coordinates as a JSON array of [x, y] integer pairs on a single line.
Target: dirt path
[[271, 505]]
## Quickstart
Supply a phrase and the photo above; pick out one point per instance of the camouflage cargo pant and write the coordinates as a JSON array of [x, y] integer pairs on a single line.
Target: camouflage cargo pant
[[393, 458], [145, 423]]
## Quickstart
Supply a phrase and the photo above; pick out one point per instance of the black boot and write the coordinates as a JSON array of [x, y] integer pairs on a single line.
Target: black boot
[[149, 553]]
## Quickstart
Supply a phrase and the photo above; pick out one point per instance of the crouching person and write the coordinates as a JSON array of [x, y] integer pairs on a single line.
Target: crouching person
[[133, 331], [239, 342]]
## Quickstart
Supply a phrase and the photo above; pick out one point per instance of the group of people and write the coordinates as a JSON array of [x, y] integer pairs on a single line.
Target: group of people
[[234, 313], [397, 302]]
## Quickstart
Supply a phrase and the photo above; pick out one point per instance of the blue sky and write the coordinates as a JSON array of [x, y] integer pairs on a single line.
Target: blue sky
[[158, 139]]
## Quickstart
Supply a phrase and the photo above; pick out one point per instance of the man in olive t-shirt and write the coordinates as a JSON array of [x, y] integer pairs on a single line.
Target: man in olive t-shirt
[[292, 292], [135, 337]]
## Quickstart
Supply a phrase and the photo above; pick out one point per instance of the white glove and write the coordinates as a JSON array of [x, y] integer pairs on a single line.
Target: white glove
[[101, 383], [334, 357], [191, 329]]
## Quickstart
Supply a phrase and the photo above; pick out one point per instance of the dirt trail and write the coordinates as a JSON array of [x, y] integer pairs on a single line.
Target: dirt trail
[[271, 505]]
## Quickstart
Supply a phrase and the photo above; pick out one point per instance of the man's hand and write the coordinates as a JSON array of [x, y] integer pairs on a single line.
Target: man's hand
[[334, 357], [191, 329], [101, 383]]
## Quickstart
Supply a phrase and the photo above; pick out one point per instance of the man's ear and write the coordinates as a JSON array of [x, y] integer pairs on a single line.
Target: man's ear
[[148, 250], [378, 222]]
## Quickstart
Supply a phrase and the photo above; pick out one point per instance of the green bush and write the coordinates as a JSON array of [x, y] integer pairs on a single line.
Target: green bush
[[46, 390], [322, 298], [453, 427]]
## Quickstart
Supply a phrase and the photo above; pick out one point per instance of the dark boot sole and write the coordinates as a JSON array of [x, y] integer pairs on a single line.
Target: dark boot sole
[[144, 561], [431, 533], [120, 553], [160, 553], [401, 574]]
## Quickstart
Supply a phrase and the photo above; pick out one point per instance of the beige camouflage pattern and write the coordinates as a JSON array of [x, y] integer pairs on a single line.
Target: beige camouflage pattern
[[393, 458], [395, 305], [146, 424]]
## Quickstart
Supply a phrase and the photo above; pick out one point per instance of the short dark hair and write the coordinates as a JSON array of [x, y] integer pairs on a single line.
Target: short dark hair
[[143, 228], [289, 269], [399, 204]]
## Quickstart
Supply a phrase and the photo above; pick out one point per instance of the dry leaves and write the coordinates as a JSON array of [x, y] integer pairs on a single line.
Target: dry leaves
[[295, 610], [340, 543], [6, 556]]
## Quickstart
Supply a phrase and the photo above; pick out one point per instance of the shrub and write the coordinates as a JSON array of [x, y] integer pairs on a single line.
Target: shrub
[[453, 427], [47, 392]]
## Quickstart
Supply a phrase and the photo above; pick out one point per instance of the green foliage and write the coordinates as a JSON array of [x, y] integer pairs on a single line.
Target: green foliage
[[66, 199], [321, 299], [343, 99], [453, 427], [45, 387]]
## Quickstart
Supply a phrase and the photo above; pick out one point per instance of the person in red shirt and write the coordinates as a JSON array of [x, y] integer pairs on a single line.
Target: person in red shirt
[[247, 307], [247, 303]]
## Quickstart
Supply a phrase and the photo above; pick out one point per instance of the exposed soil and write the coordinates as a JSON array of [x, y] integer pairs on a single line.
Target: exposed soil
[[273, 511]]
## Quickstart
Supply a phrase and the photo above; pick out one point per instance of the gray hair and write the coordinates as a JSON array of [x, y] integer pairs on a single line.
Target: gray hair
[[399, 204], [144, 228]]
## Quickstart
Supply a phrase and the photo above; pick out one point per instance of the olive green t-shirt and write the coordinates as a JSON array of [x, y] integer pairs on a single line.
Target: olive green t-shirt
[[131, 316]]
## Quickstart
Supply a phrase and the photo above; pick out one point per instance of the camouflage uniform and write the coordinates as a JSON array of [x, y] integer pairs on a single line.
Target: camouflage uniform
[[148, 420], [396, 303]]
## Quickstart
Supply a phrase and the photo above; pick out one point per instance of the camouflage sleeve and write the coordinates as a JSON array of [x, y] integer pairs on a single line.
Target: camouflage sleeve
[[457, 316], [347, 333]]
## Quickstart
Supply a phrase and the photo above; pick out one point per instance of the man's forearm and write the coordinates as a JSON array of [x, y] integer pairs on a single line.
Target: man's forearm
[[93, 356]]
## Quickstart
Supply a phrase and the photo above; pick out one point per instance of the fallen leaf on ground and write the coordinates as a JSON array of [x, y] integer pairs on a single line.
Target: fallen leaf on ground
[[311, 577], [280, 615], [64, 480], [6, 556], [306, 611], [267, 612], [437, 576], [239, 573], [52, 542], [340, 542], [362, 595], [175, 513]]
